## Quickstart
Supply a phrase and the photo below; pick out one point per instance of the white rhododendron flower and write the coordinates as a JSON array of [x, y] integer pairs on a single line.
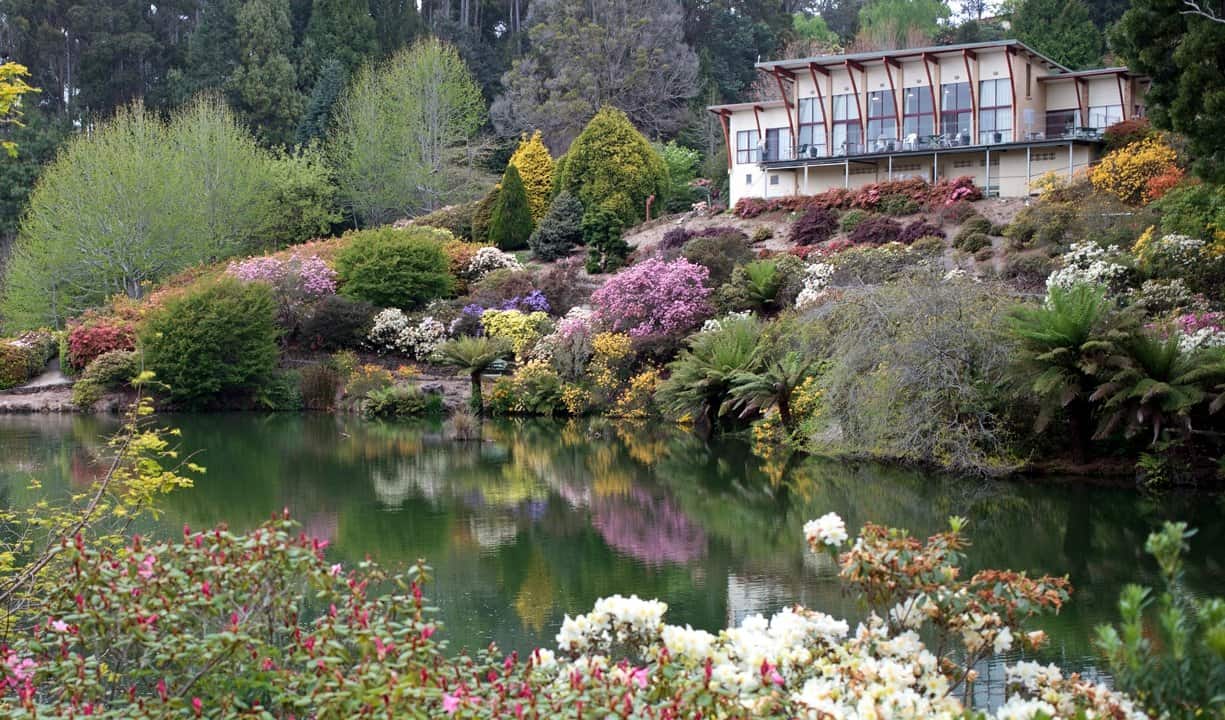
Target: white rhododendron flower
[[828, 529]]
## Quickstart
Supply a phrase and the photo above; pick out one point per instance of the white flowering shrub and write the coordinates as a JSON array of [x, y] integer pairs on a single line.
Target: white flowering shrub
[[392, 332], [816, 280], [1201, 339], [1089, 263], [716, 324], [804, 664], [488, 259]]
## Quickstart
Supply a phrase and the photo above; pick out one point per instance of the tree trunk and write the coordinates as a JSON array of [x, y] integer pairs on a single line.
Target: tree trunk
[[1078, 430], [784, 409], [476, 402]]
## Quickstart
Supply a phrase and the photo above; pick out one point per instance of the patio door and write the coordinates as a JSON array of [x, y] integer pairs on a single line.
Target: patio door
[[778, 144]]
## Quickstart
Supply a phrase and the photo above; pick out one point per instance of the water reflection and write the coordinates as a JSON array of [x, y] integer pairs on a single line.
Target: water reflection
[[542, 518]]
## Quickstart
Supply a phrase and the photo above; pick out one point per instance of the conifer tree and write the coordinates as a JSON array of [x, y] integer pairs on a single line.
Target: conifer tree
[[535, 166], [341, 30], [511, 223], [559, 230], [265, 86], [610, 164], [318, 115]]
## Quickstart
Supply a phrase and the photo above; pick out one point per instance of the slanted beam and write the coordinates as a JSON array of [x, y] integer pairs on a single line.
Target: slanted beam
[[1012, 85], [863, 126], [1122, 98], [897, 107], [965, 56], [928, 58], [813, 69], [724, 118], [787, 104]]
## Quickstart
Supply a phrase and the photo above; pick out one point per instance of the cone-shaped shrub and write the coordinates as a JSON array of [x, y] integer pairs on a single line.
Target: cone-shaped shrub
[[535, 167], [511, 223], [560, 229]]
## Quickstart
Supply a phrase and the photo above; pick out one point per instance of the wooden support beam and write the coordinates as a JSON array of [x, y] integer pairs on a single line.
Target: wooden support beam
[[757, 118], [965, 56], [863, 127], [854, 64], [787, 104], [931, 87], [813, 69], [1012, 85], [1122, 97], [897, 107], [725, 118], [1082, 102]]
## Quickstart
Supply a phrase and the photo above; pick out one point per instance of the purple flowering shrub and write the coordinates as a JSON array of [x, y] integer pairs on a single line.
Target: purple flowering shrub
[[655, 297]]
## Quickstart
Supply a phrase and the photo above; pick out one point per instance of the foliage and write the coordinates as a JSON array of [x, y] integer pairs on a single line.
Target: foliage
[[535, 167], [12, 87], [23, 357], [1194, 209], [400, 401], [488, 260], [265, 84], [217, 339], [815, 226], [654, 298], [851, 220], [39, 137], [520, 330], [1062, 346], [95, 336], [919, 229], [396, 129], [919, 392], [778, 373], [720, 254], [612, 167], [868, 265], [876, 230], [942, 195], [320, 384], [972, 242], [113, 369], [1126, 173], [763, 286], [139, 198], [473, 355], [898, 205], [700, 380], [586, 58], [336, 322], [1200, 266], [316, 120], [501, 286], [482, 214], [1126, 132], [1180, 51], [296, 281], [389, 267], [897, 23], [1167, 649], [560, 230], [682, 165], [1060, 29], [457, 219], [602, 233], [511, 225], [534, 389]]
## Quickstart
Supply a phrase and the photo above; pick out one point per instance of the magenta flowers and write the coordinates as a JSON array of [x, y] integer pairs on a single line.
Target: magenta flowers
[[655, 297]]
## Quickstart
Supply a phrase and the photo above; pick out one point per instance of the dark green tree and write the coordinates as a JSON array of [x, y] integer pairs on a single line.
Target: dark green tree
[[37, 141], [341, 30], [396, 23], [511, 223], [1060, 29], [560, 229], [318, 114], [213, 53], [1184, 55], [265, 87], [606, 248]]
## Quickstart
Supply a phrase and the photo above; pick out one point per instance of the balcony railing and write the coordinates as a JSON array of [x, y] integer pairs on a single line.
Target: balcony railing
[[911, 143]]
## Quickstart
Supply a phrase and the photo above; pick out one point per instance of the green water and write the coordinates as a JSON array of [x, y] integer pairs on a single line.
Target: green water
[[541, 518]]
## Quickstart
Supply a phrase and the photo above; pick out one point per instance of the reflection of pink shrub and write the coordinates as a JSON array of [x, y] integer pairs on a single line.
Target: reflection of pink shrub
[[648, 528], [655, 297]]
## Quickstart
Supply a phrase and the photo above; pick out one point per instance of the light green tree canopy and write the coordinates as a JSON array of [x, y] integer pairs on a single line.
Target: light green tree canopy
[[139, 198], [889, 24], [397, 130]]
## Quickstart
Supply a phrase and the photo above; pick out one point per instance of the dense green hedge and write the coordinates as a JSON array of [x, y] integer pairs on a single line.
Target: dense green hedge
[[392, 267]]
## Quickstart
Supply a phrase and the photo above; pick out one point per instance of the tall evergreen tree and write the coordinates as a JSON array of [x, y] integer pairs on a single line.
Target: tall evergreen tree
[[265, 87], [213, 53], [1060, 29], [318, 114], [397, 23], [341, 30], [511, 223]]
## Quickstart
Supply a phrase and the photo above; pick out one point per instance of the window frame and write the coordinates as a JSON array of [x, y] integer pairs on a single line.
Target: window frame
[[958, 112], [921, 94], [846, 123], [815, 125], [884, 119], [995, 111], [1107, 108], [750, 155]]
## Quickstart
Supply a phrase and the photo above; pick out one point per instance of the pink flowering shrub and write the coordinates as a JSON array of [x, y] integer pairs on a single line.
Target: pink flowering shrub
[[655, 297], [1192, 323], [297, 282]]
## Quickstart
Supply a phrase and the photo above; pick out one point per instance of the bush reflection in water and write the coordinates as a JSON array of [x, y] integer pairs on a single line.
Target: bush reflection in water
[[543, 518]]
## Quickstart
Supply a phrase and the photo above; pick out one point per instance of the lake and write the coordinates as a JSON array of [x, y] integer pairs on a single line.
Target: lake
[[541, 518]]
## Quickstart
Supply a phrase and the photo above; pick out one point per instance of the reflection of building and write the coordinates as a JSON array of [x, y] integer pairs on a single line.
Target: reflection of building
[[998, 112]]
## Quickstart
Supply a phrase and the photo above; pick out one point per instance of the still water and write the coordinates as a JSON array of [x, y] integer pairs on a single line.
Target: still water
[[541, 518]]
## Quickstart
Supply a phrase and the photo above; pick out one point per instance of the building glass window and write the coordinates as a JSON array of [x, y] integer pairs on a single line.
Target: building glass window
[[812, 128], [846, 125], [778, 144], [1103, 116], [1061, 122], [748, 151], [918, 116], [994, 111], [882, 117], [956, 110]]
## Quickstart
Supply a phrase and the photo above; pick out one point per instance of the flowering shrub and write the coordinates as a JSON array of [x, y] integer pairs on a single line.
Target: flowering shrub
[[637, 400], [654, 298], [1158, 185], [1198, 331], [534, 389], [305, 277], [1089, 263], [393, 332], [94, 337], [488, 259], [815, 226], [535, 301], [816, 280], [876, 231], [522, 330], [1126, 172], [1126, 132], [569, 346], [919, 229], [868, 197]]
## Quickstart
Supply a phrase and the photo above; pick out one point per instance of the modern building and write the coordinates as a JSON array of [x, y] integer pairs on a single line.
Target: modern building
[[999, 112]]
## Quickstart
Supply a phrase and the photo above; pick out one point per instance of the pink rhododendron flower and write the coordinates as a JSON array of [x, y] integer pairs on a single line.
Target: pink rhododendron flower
[[655, 297]]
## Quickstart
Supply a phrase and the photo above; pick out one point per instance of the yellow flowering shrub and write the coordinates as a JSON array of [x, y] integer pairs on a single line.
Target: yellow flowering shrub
[[609, 352], [1125, 173], [575, 398], [1048, 185], [637, 399], [534, 389], [521, 330]]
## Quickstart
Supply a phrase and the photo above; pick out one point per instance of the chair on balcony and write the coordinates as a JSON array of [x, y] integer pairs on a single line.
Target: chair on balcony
[[911, 142]]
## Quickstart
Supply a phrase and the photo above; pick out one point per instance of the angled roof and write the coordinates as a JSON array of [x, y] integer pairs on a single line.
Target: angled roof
[[1089, 73], [800, 63], [732, 107]]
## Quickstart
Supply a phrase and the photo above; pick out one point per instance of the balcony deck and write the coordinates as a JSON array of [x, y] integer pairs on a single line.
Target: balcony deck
[[883, 150]]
